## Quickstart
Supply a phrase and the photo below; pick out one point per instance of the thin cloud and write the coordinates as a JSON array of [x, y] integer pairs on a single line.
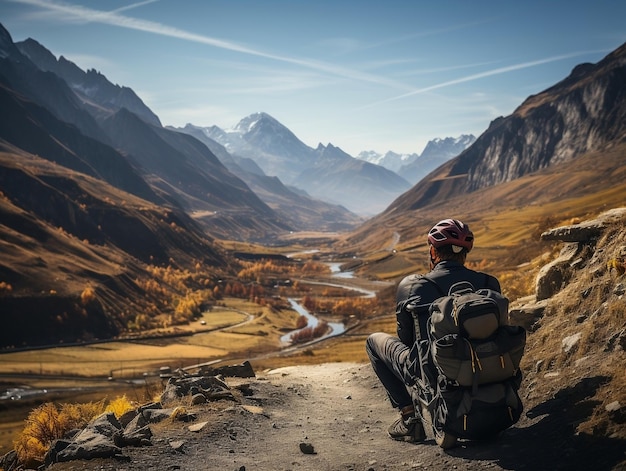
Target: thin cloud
[[423, 34], [77, 12], [133, 5], [489, 73]]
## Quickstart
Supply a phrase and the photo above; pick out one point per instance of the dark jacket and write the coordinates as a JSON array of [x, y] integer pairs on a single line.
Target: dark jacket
[[422, 292]]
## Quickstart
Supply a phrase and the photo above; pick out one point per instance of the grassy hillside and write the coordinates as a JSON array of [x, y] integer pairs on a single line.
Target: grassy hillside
[[506, 219], [83, 260]]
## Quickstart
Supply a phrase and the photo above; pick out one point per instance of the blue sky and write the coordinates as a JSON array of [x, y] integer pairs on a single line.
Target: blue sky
[[362, 75]]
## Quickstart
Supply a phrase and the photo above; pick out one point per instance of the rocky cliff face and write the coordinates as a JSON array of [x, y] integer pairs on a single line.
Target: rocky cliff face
[[584, 112]]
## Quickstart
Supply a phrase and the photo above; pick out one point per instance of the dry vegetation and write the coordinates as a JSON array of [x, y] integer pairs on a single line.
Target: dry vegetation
[[49, 422], [549, 370], [579, 337], [248, 325]]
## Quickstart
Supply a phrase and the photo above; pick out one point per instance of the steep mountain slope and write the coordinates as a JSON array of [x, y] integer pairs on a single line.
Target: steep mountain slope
[[280, 153], [44, 88], [182, 166], [81, 258], [32, 128], [101, 97], [583, 113], [179, 172]]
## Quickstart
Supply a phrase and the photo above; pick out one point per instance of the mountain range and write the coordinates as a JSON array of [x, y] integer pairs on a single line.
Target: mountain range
[[583, 113], [325, 173], [414, 167], [96, 192]]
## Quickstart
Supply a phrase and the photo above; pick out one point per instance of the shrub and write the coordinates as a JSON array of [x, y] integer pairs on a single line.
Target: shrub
[[302, 322], [309, 333], [5, 287], [47, 423], [119, 406]]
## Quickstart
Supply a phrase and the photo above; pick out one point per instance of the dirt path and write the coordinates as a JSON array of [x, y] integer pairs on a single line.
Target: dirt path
[[341, 411]]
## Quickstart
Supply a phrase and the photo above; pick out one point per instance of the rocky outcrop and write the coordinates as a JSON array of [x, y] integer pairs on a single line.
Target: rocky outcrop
[[579, 252], [577, 325], [106, 436], [579, 248]]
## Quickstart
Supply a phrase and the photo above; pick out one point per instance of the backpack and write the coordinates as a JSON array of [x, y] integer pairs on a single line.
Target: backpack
[[470, 363], [471, 341], [470, 313]]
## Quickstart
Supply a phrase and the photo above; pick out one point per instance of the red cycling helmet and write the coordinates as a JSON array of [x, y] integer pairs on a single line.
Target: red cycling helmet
[[451, 232]]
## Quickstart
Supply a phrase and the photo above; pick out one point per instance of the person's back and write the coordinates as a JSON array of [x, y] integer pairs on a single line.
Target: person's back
[[424, 289], [449, 242]]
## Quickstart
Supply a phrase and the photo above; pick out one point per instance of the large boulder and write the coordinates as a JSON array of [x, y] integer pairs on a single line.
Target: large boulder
[[102, 438]]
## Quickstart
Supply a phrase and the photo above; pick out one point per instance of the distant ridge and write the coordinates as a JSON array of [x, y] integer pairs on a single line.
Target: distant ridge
[[413, 167], [325, 173], [293, 205], [100, 95]]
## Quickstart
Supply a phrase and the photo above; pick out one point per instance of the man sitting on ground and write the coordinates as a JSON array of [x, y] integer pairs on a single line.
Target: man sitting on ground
[[449, 242]]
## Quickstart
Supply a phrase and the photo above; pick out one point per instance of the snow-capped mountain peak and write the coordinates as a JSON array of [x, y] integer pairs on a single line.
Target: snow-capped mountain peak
[[436, 152]]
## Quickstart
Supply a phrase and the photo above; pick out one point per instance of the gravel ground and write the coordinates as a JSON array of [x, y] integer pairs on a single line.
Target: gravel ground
[[335, 417]]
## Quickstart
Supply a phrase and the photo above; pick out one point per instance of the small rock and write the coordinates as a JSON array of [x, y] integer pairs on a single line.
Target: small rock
[[569, 342], [253, 409], [613, 406], [198, 399], [616, 412], [177, 445], [307, 448], [154, 416], [197, 427]]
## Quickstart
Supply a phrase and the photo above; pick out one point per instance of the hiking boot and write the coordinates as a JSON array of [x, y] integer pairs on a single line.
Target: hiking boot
[[407, 430]]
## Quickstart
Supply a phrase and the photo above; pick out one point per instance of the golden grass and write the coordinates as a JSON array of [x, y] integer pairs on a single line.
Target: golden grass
[[49, 422], [119, 359]]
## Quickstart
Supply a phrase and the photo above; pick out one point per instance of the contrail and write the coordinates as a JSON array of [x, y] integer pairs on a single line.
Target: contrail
[[488, 73], [113, 18]]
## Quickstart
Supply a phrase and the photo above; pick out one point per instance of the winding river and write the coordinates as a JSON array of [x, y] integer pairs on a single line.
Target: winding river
[[335, 328]]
